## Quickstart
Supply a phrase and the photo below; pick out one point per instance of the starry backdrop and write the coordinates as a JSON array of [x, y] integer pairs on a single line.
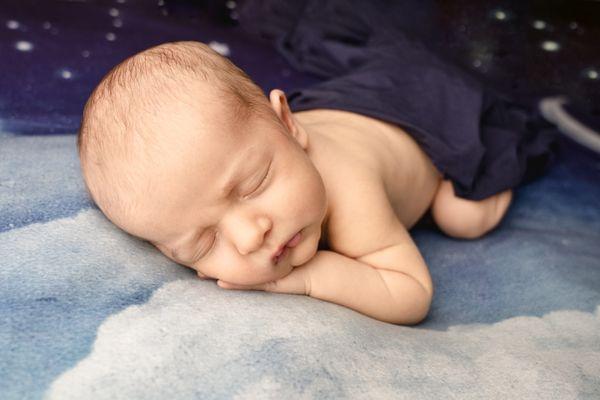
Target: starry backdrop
[[54, 52]]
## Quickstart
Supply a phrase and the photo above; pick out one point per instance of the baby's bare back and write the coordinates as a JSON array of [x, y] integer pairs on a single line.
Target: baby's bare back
[[365, 151]]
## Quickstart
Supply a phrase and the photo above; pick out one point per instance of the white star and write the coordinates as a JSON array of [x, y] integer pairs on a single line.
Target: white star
[[539, 24], [550, 45], [23, 45], [220, 48], [500, 15], [592, 74], [12, 24], [66, 74]]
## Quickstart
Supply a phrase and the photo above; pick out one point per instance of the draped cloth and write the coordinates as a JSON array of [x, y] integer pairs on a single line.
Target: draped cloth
[[480, 140]]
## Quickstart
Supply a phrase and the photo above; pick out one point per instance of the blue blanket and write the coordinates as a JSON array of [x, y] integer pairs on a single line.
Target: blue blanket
[[89, 312]]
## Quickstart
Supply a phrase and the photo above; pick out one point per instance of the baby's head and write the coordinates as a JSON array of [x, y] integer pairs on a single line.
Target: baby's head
[[179, 147]]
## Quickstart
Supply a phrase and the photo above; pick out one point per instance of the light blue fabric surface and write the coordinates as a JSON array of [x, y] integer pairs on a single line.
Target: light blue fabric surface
[[88, 312]]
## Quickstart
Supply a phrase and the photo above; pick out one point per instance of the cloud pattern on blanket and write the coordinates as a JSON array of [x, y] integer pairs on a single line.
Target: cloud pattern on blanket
[[278, 349], [75, 290]]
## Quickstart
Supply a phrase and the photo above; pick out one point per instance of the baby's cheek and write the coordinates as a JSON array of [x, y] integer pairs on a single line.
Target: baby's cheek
[[202, 276]]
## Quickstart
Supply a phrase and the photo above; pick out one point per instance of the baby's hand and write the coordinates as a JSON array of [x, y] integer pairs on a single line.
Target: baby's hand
[[296, 282]]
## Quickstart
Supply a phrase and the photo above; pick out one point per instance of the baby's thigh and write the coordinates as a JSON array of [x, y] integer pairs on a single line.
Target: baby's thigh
[[467, 219]]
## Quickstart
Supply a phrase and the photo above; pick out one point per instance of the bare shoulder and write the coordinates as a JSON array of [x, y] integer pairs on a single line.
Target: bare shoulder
[[368, 213], [360, 208], [355, 158], [362, 218], [363, 225], [408, 175]]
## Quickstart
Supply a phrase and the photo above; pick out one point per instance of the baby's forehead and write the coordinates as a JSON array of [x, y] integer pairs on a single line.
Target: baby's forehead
[[210, 152], [207, 138], [223, 131]]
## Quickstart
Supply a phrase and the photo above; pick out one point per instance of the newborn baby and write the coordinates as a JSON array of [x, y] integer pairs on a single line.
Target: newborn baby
[[180, 148]]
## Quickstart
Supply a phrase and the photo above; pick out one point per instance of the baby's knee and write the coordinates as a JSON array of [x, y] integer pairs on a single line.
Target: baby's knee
[[460, 221], [468, 219]]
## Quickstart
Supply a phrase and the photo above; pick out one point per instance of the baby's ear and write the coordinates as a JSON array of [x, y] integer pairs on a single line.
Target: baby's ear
[[282, 109]]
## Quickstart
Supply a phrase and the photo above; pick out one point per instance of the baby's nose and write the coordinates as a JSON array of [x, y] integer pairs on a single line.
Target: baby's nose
[[251, 243], [252, 236]]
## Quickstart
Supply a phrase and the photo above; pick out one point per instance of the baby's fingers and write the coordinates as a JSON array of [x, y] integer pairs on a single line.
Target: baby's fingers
[[293, 283], [233, 286]]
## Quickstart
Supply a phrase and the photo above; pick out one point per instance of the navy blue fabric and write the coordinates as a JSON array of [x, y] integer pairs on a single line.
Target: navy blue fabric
[[483, 142]]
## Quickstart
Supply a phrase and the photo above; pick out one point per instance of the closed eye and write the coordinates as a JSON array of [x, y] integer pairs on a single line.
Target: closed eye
[[261, 183], [197, 257]]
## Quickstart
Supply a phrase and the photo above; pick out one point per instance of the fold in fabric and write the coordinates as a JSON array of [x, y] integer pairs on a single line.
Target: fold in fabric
[[481, 141]]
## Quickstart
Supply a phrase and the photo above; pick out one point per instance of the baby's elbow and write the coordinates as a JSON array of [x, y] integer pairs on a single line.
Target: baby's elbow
[[421, 311], [417, 310], [410, 298], [422, 302]]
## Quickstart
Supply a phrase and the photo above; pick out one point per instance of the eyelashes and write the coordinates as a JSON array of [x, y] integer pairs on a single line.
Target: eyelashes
[[261, 183], [197, 257]]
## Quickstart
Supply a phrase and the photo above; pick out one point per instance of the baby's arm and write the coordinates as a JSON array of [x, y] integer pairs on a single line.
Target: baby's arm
[[376, 268], [387, 294], [391, 285]]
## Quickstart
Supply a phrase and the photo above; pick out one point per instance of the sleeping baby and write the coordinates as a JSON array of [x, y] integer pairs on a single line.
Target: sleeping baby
[[179, 147]]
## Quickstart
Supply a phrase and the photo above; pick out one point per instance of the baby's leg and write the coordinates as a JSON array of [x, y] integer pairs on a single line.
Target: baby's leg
[[467, 219]]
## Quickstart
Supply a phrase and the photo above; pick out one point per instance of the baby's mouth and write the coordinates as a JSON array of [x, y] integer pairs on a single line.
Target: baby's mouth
[[281, 255], [284, 251]]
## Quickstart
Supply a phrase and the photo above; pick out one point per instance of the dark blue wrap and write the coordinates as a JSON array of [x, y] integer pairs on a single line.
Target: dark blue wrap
[[481, 141]]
